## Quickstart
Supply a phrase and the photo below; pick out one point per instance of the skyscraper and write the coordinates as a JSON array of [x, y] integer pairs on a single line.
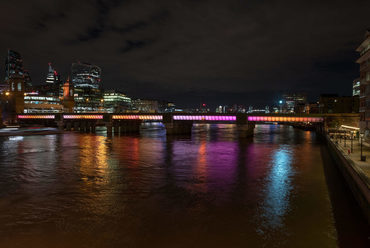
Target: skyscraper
[[13, 65], [52, 77], [86, 79]]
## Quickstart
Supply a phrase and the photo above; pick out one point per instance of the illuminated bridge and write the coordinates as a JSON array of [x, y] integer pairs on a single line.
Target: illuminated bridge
[[176, 123]]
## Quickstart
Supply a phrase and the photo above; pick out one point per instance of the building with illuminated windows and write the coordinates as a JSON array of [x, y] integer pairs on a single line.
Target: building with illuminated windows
[[116, 102], [356, 87], [35, 103], [86, 80], [145, 106], [292, 103], [364, 62]]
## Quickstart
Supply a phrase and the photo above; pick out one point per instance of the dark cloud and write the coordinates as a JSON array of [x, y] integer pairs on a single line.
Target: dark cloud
[[216, 51]]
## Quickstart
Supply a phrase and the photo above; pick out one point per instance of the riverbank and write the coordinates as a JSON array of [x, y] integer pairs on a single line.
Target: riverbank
[[355, 171]]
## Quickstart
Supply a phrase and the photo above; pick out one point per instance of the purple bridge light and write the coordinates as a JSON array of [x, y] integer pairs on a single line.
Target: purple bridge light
[[204, 117]]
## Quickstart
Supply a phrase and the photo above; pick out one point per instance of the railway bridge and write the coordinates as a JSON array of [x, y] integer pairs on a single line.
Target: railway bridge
[[181, 123]]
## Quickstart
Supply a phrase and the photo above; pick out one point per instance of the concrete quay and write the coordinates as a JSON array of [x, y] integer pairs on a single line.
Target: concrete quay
[[355, 172]]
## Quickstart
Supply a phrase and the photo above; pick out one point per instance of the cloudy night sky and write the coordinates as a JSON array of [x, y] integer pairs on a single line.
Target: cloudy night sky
[[192, 51]]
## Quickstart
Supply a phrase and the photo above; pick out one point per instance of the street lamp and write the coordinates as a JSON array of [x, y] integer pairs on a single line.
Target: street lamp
[[281, 104], [351, 141], [363, 158]]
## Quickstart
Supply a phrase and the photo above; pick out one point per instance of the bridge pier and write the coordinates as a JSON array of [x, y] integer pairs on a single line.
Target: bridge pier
[[93, 127], [109, 125], [130, 126], [60, 125], [76, 126], [116, 128], [245, 130], [68, 126], [244, 127]]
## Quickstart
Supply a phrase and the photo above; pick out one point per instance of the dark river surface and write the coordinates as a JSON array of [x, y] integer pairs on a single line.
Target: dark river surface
[[278, 189]]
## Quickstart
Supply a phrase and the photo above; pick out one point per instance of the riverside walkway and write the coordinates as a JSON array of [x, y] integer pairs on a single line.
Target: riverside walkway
[[354, 156]]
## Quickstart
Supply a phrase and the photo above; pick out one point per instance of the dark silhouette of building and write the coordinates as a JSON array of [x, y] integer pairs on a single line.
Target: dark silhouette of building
[[364, 62], [332, 103]]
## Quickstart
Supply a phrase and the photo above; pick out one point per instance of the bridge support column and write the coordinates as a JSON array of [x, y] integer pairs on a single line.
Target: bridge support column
[[245, 130], [82, 126], [130, 126], [60, 125], [93, 127], [116, 127], [244, 127], [88, 127], [68, 126], [76, 126], [179, 127], [109, 128]]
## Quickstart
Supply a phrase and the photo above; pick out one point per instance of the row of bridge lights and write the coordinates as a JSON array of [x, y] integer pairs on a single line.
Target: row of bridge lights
[[179, 117]]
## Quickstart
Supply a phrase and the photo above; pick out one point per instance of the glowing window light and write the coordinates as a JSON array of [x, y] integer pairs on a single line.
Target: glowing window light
[[36, 116], [93, 117], [204, 117]]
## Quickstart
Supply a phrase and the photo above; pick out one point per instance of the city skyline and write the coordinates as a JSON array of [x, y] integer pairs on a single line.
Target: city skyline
[[246, 53]]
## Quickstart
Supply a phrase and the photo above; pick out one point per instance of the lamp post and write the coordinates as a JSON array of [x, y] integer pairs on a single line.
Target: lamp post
[[363, 158], [351, 142], [345, 138]]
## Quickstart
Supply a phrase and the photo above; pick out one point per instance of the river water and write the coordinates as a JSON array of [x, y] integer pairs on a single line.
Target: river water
[[277, 189]]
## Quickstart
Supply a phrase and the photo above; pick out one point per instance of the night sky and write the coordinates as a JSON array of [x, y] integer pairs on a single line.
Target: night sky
[[219, 52]]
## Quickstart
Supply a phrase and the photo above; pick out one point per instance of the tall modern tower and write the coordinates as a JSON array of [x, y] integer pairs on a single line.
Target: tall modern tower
[[86, 80], [13, 65], [53, 77]]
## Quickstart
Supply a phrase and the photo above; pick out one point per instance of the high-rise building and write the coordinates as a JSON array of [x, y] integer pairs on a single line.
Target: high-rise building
[[86, 80], [364, 61], [27, 81], [53, 76], [14, 79], [13, 65]]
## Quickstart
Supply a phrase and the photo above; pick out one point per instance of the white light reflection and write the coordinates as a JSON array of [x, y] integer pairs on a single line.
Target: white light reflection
[[15, 138], [278, 189]]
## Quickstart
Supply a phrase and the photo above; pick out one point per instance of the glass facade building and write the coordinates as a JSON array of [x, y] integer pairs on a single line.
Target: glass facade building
[[116, 102], [86, 79], [13, 65]]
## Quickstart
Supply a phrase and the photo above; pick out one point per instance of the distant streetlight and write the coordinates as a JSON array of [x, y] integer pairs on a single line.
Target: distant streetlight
[[363, 158]]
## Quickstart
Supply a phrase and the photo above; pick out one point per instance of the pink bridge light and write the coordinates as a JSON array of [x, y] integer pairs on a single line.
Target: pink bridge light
[[204, 117], [88, 117], [36, 116], [285, 119], [137, 117]]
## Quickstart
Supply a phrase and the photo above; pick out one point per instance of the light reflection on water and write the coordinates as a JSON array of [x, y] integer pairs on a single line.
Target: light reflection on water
[[210, 189], [278, 188]]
